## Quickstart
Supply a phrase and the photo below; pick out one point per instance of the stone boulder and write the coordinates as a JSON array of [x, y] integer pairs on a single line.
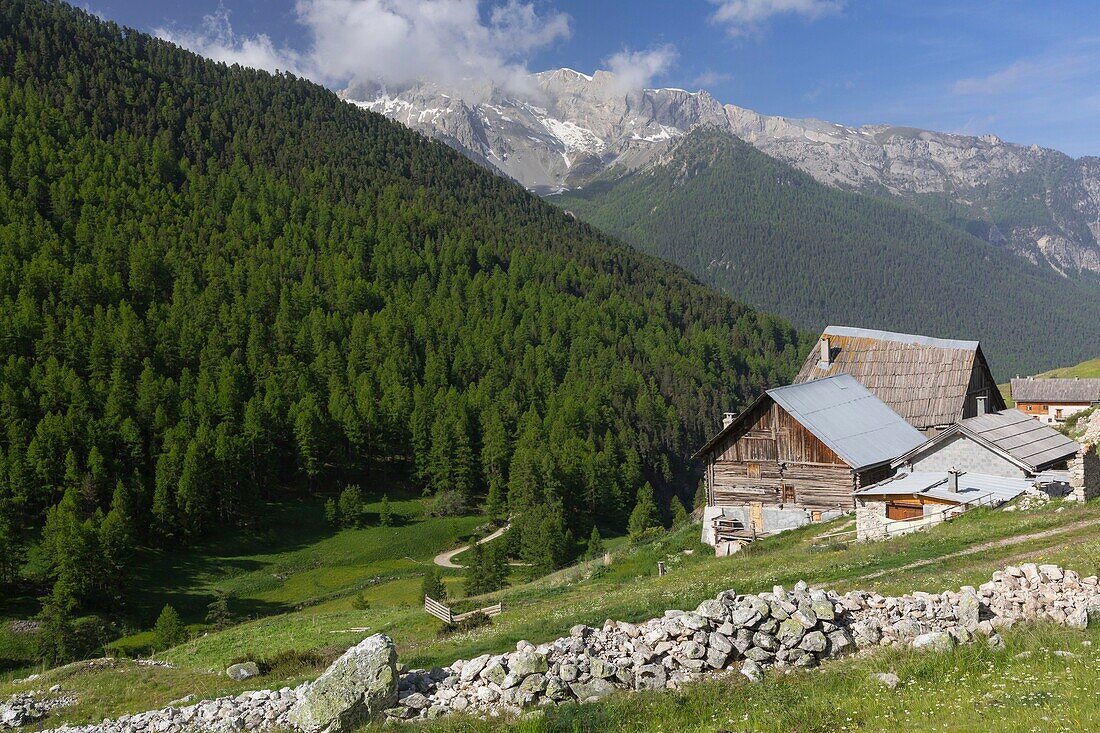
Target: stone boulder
[[357, 688], [242, 671]]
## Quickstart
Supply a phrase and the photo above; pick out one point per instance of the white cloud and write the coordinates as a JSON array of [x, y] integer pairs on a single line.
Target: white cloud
[[1026, 74], [745, 16], [393, 42], [216, 40], [638, 69]]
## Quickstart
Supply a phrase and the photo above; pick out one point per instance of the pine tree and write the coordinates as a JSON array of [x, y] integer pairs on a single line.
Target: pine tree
[[680, 515], [595, 544], [116, 543], [700, 495], [385, 517], [432, 586], [645, 517], [351, 506], [475, 580], [332, 514], [56, 642], [169, 630], [218, 613]]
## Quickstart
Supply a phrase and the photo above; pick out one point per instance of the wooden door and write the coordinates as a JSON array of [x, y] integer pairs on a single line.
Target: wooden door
[[756, 516], [753, 470], [787, 495], [897, 510]]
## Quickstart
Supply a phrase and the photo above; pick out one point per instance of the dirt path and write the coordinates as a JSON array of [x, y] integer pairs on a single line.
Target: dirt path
[[1005, 542], [444, 559]]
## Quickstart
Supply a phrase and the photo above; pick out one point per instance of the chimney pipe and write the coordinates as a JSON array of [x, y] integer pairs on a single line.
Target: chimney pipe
[[826, 352], [727, 419], [983, 404], [953, 481]]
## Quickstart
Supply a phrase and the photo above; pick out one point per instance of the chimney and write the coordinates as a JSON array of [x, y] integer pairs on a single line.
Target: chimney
[[983, 404], [953, 481], [826, 352], [727, 419]]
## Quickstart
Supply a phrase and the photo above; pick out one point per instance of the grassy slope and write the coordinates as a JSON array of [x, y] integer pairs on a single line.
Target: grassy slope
[[628, 589], [296, 562]]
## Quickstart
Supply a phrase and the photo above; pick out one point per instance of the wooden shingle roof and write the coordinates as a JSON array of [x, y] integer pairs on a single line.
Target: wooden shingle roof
[[924, 379], [1056, 390]]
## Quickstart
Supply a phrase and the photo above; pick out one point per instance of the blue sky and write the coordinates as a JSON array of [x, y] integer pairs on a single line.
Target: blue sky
[[1026, 71]]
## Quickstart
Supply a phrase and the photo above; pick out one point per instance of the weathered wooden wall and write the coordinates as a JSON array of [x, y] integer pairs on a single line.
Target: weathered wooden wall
[[772, 459]]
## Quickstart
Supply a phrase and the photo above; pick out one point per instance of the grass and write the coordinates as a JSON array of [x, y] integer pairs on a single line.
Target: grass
[[628, 589], [296, 562]]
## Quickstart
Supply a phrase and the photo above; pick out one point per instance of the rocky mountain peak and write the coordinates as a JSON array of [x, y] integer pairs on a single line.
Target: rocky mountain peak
[[570, 127]]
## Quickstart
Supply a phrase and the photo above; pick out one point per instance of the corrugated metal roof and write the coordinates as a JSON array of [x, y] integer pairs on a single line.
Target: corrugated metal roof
[[1024, 438], [844, 415], [923, 379], [1055, 390], [934, 485]]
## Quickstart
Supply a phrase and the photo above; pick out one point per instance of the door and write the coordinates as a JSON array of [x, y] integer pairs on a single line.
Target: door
[[787, 495], [756, 516], [899, 510], [753, 470]]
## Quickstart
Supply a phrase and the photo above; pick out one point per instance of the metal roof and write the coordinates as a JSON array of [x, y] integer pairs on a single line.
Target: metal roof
[[934, 485], [923, 379], [1022, 437], [845, 416], [1055, 390]]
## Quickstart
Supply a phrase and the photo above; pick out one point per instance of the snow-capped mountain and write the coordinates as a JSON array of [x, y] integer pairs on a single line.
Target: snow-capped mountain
[[570, 127]]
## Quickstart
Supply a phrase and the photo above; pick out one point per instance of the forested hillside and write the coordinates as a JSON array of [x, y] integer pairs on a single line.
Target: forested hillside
[[752, 225], [218, 286]]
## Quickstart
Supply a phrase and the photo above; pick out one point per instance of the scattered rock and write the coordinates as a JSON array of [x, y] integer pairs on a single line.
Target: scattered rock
[[243, 671], [888, 679], [357, 688]]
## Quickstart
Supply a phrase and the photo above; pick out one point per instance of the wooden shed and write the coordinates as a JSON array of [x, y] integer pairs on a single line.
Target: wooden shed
[[931, 382], [808, 446]]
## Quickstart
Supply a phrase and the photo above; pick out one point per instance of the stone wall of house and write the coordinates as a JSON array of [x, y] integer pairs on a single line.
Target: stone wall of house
[[797, 627], [963, 454], [871, 520], [1084, 474]]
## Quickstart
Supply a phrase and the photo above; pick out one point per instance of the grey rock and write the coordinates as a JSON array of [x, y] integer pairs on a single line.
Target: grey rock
[[525, 663], [934, 641], [813, 641], [888, 679], [243, 670], [753, 671], [650, 677], [592, 690], [356, 688]]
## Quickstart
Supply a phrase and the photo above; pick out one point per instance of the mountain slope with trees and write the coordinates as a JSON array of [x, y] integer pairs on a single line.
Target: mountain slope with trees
[[220, 286], [753, 225]]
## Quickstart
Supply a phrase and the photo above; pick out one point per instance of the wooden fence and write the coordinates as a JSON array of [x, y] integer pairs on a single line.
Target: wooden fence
[[447, 616]]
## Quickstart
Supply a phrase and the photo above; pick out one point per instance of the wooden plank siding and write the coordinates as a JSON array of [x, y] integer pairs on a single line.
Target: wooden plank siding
[[772, 457]]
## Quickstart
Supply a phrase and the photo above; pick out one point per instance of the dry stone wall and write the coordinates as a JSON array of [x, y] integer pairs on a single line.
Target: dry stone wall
[[796, 627]]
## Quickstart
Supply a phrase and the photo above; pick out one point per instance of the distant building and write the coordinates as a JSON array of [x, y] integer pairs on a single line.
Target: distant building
[[1054, 400], [798, 454], [931, 382]]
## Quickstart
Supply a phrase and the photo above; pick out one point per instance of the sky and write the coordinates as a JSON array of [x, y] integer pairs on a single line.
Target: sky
[[1025, 70]]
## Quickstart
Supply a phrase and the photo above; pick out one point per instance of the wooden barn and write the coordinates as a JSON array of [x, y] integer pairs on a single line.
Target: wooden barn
[[931, 382], [798, 454]]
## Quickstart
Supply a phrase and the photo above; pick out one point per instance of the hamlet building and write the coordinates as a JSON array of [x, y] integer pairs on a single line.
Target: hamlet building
[[985, 460], [1054, 400], [798, 454], [931, 382]]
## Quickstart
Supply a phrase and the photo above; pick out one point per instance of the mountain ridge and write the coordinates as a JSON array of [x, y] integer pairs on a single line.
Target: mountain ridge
[[1039, 203]]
